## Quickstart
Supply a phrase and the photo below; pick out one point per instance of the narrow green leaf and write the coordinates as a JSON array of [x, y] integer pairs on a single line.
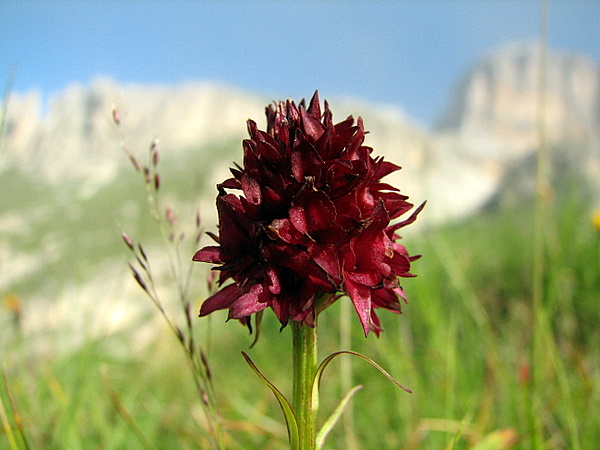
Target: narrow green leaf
[[335, 416], [319, 374], [327, 360], [125, 415], [7, 427], [286, 408], [16, 415]]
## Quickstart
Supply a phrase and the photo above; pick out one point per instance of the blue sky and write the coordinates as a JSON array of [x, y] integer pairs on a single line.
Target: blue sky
[[407, 53]]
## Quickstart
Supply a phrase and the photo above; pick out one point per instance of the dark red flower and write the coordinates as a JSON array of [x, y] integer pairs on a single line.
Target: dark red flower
[[310, 221]]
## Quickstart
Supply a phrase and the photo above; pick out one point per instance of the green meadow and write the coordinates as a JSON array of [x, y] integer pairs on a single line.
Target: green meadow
[[499, 341]]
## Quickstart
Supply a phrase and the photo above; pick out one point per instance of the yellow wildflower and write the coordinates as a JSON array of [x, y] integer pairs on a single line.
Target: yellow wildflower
[[596, 219]]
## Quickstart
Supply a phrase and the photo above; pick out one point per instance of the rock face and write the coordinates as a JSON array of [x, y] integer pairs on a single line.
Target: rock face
[[492, 120], [76, 139], [500, 98]]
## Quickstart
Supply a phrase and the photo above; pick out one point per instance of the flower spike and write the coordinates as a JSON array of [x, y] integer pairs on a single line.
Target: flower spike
[[307, 215]]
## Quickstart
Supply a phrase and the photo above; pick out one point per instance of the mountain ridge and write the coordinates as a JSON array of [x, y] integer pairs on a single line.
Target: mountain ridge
[[490, 122]]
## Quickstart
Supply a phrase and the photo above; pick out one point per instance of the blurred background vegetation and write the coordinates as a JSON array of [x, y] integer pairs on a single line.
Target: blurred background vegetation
[[463, 345], [499, 341]]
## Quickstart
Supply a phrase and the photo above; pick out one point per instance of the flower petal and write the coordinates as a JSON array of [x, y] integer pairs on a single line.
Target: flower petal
[[209, 254], [313, 126], [220, 300], [327, 258], [298, 219], [361, 298], [248, 303], [251, 189]]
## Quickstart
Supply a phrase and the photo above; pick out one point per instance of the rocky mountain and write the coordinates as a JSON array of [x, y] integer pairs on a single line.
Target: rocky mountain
[[500, 97], [68, 186], [75, 138], [493, 119], [489, 124]]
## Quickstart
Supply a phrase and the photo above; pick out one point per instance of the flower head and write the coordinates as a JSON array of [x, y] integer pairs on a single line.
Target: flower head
[[309, 221]]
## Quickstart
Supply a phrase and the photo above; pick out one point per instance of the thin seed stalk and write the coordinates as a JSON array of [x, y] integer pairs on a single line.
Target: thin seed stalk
[[541, 219], [304, 368]]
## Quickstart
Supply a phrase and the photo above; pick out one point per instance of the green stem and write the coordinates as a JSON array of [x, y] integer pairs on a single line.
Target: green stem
[[539, 243], [304, 367]]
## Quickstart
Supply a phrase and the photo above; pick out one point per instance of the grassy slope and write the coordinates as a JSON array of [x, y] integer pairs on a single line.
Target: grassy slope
[[462, 345]]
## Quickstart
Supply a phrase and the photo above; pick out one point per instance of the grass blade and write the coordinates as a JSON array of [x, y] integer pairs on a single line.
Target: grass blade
[[120, 408], [16, 415], [286, 408], [327, 360], [335, 416], [7, 428]]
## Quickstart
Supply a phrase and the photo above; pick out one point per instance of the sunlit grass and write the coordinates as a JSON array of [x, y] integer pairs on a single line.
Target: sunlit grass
[[461, 346]]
